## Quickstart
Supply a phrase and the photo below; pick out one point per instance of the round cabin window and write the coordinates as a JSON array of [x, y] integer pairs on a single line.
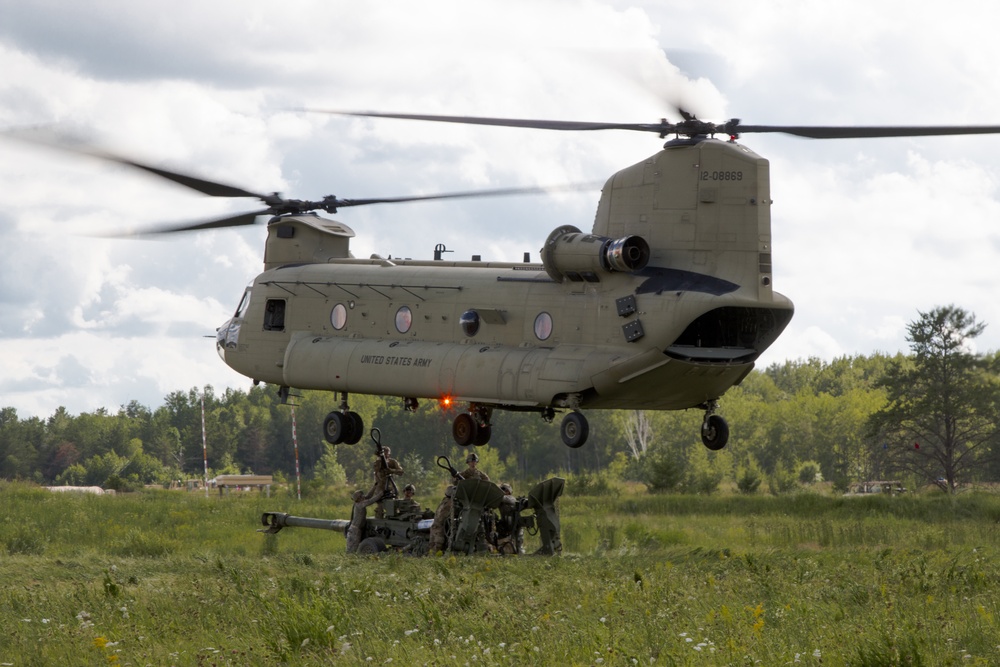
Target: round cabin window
[[543, 326], [338, 316], [404, 319]]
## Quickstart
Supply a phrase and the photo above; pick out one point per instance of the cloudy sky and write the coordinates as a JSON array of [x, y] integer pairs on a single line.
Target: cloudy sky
[[866, 233]]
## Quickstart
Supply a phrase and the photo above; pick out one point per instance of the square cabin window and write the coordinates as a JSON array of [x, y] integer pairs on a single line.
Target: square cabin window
[[274, 315]]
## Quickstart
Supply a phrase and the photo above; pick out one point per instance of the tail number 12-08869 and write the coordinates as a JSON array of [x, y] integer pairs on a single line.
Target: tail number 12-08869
[[722, 175]]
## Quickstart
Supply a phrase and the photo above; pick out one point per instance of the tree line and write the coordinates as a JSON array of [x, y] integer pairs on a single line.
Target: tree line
[[927, 417]]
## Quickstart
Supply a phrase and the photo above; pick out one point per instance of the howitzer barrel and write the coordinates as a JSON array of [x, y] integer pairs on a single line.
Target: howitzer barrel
[[275, 521]]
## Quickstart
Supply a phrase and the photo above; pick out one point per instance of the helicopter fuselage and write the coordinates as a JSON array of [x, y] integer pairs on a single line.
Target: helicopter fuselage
[[664, 305]]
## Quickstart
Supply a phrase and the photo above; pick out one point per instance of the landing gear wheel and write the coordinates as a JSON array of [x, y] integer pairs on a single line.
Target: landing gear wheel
[[355, 430], [574, 429], [483, 434], [464, 429], [335, 428], [371, 546], [714, 432]]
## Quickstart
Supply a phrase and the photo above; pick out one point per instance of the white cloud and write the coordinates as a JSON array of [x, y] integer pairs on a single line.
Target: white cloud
[[865, 233]]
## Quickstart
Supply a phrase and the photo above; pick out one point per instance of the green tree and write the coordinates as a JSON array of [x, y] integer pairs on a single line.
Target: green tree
[[940, 420]]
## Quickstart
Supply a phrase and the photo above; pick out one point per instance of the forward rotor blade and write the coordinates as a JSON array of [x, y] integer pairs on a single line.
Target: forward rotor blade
[[47, 137], [238, 220], [499, 192], [202, 185], [870, 132]]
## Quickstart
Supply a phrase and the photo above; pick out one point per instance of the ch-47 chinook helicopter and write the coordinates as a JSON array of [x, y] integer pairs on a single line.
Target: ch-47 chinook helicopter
[[664, 304]]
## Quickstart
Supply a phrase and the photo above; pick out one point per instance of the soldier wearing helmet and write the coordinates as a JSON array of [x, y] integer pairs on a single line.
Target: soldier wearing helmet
[[407, 505], [384, 468], [510, 534], [472, 472], [359, 517], [438, 539]]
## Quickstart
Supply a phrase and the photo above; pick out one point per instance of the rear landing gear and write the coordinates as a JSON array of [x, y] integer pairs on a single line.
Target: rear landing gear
[[714, 429], [344, 426], [473, 427], [574, 429]]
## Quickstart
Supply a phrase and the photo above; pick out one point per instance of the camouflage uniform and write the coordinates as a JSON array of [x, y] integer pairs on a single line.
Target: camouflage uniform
[[382, 476], [472, 472], [359, 516], [438, 540], [508, 514], [407, 505]]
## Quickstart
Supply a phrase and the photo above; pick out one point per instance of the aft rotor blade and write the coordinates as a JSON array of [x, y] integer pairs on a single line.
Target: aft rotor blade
[[870, 132], [691, 126], [567, 125], [499, 192]]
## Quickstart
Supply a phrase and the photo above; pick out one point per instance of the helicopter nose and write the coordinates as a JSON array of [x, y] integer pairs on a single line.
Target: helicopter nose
[[221, 334]]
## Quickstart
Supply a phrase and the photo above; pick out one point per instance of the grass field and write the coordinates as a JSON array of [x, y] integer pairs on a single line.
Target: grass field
[[171, 578]]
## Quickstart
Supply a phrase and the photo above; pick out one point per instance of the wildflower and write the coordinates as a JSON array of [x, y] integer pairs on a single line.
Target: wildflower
[[817, 654], [100, 642], [603, 619], [410, 632], [305, 642]]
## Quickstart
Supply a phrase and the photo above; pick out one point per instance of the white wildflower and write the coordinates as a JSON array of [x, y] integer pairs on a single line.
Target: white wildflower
[[817, 654]]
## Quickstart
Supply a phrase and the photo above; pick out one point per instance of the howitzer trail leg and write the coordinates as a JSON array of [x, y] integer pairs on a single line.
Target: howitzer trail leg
[[542, 500]]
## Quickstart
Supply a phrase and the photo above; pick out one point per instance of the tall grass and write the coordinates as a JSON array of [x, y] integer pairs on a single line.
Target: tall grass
[[174, 578]]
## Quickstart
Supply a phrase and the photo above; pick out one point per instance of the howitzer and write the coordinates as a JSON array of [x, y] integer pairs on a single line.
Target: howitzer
[[473, 526], [402, 529]]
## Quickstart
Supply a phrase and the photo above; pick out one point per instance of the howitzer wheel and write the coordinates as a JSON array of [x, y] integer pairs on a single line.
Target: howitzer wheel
[[371, 546]]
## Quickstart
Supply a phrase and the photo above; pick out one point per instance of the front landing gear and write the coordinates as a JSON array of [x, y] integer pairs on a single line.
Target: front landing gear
[[344, 426], [714, 429]]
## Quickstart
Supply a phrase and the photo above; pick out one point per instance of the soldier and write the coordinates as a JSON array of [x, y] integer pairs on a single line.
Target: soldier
[[359, 517], [472, 472], [447, 507], [384, 468], [408, 505], [510, 540], [438, 540]]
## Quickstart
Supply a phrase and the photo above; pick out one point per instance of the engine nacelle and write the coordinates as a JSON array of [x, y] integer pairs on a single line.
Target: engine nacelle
[[569, 254]]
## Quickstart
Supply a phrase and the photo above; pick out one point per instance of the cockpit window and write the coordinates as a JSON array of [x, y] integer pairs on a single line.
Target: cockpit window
[[244, 302], [274, 315]]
